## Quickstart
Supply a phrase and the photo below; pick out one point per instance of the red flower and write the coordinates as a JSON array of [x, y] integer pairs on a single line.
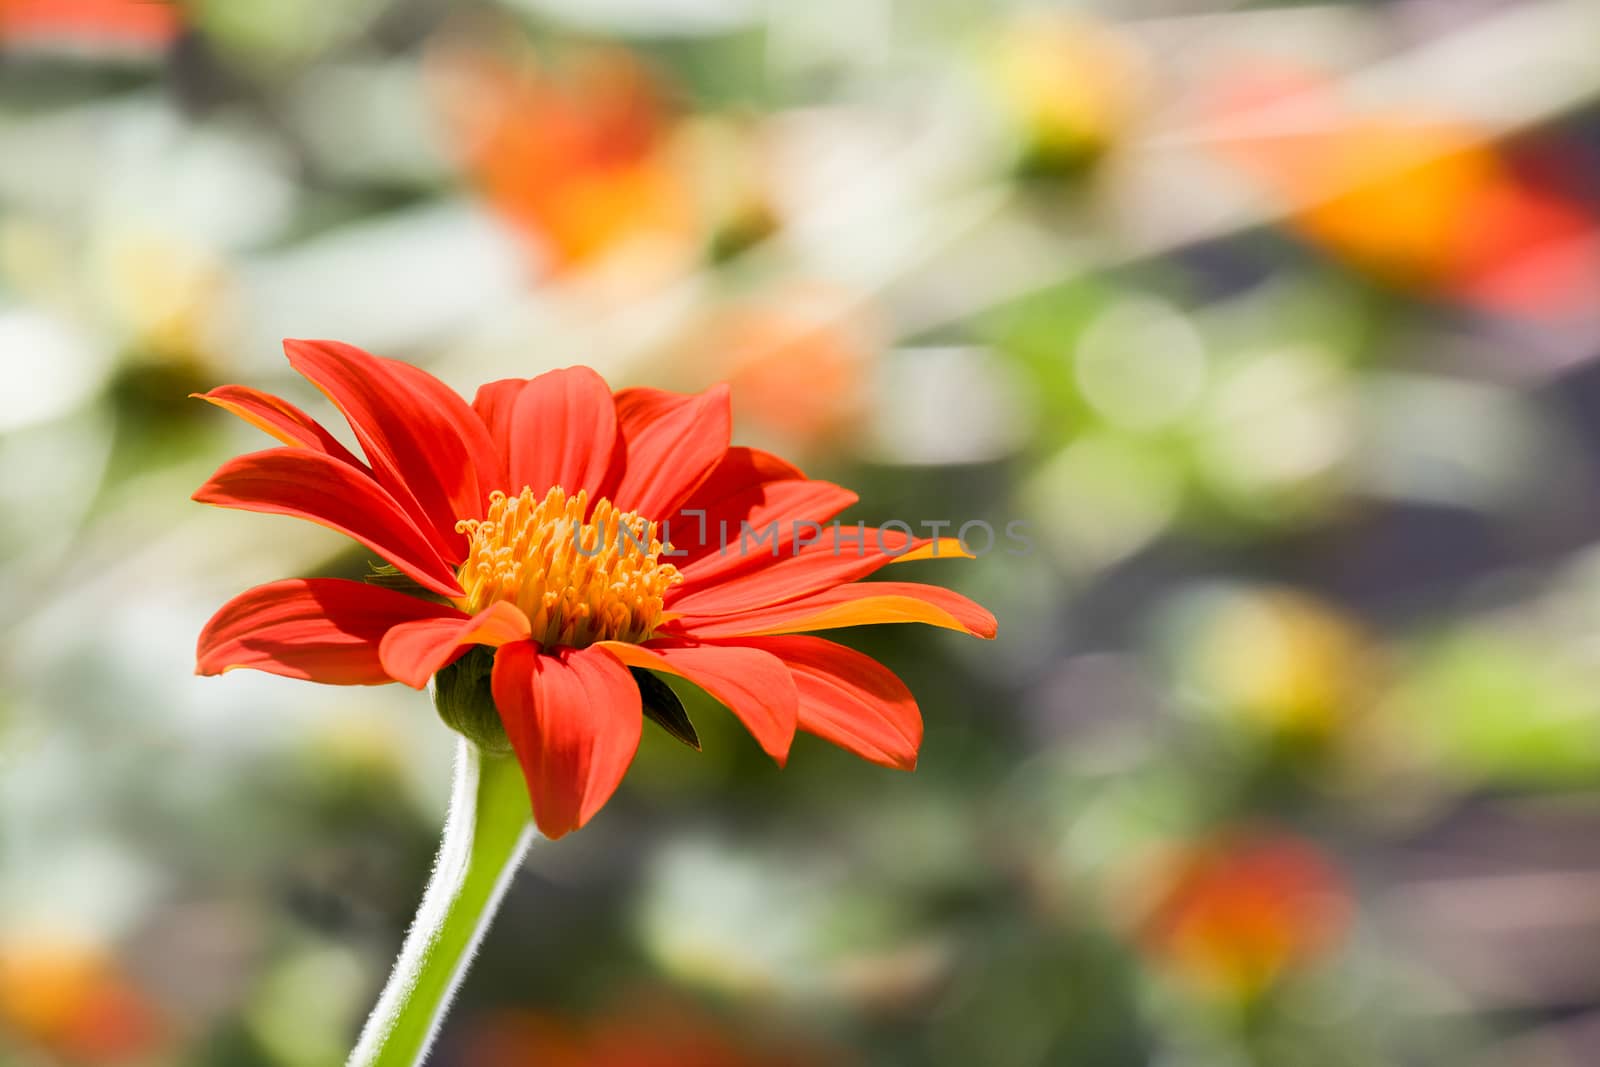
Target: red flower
[[532, 523], [79, 1004], [135, 22], [1236, 912], [1423, 202], [578, 159], [641, 1031]]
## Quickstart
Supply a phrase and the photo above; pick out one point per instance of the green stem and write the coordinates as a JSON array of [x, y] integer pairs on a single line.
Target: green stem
[[486, 835]]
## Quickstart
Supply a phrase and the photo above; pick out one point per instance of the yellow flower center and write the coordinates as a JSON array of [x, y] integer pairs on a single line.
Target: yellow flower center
[[578, 581]]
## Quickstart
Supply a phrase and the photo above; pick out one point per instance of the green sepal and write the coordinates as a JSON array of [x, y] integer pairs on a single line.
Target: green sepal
[[388, 576], [662, 707], [465, 700]]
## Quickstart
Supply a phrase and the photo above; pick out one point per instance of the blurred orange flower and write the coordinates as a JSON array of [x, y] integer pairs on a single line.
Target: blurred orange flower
[[656, 1035], [1421, 202], [74, 1002], [135, 22], [1233, 914], [799, 362], [577, 158]]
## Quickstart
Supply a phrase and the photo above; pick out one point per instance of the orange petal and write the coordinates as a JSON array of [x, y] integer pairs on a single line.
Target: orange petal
[[494, 403], [413, 652], [849, 699], [573, 718], [313, 485], [426, 446], [857, 604], [753, 685], [563, 431], [674, 442], [740, 469], [935, 548], [279, 418], [839, 556], [317, 629], [791, 505]]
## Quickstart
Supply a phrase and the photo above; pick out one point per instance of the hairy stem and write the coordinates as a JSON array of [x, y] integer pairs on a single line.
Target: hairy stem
[[486, 834]]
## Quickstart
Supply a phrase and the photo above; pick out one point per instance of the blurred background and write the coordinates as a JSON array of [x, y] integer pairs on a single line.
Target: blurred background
[[1274, 324]]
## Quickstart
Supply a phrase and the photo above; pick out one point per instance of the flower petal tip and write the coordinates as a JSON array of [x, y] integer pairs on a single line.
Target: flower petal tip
[[204, 670], [938, 548], [554, 831]]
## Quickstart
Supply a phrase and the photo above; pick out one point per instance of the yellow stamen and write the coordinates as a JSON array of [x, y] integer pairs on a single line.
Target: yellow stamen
[[578, 581]]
